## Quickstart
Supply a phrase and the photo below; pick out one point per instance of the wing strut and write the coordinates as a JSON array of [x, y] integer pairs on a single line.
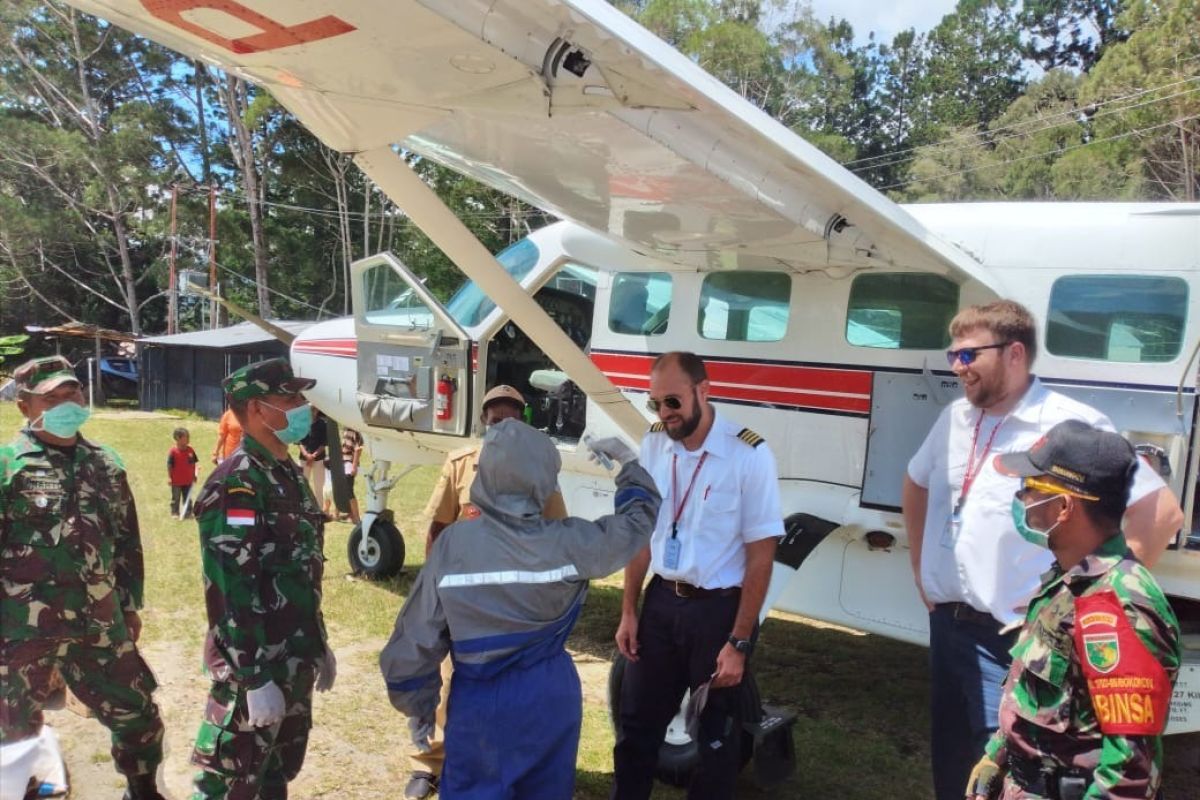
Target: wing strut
[[425, 208]]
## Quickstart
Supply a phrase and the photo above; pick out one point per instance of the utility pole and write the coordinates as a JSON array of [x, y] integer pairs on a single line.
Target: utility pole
[[212, 253], [173, 301]]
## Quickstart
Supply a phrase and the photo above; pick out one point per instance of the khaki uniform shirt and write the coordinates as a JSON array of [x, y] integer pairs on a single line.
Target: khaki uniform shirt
[[451, 499]]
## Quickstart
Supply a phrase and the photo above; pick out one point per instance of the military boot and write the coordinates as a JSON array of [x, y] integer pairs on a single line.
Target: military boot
[[142, 787]]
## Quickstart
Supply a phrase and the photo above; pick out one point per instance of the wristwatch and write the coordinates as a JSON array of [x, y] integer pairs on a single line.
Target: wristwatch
[[744, 646]]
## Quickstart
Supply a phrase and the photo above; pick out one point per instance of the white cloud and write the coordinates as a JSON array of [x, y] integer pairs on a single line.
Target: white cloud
[[885, 17]]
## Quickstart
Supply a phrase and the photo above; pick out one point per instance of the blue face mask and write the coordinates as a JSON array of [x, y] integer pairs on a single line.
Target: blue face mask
[[64, 420], [1031, 535], [299, 422]]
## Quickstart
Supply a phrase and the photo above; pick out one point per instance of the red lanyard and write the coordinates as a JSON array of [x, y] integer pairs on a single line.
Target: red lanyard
[[687, 494], [975, 467]]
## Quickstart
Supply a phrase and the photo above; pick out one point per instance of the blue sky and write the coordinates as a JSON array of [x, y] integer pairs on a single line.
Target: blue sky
[[885, 17]]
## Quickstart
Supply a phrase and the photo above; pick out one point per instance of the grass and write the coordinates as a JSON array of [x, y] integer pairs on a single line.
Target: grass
[[862, 700]]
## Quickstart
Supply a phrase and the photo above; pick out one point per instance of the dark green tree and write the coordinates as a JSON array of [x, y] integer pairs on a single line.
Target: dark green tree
[[1069, 33]]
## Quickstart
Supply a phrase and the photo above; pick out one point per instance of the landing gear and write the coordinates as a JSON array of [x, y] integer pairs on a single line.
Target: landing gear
[[379, 554], [766, 736], [376, 548]]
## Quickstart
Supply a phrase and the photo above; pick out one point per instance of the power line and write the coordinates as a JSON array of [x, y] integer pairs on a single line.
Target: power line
[[1056, 151], [252, 282], [1071, 113], [359, 215], [988, 138]]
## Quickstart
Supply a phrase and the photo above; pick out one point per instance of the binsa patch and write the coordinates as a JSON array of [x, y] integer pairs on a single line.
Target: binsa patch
[[1128, 686]]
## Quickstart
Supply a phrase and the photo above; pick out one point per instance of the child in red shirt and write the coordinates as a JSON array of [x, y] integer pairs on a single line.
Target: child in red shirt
[[182, 469]]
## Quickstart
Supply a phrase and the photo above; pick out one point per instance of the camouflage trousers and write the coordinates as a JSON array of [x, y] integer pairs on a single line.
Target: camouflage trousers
[[241, 762], [112, 680]]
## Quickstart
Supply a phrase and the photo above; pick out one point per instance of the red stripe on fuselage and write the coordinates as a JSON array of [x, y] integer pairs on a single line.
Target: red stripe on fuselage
[[847, 390], [341, 348]]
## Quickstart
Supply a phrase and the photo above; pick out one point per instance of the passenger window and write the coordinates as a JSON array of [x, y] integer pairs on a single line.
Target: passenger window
[[640, 303], [391, 301], [1117, 317], [901, 311], [745, 306]]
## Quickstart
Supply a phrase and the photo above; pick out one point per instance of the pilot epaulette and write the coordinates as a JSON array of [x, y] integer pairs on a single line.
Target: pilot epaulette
[[750, 437], [658, 427]]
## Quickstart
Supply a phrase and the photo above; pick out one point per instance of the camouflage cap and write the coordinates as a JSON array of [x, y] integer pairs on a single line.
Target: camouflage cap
[[273, 376], [41, 375]]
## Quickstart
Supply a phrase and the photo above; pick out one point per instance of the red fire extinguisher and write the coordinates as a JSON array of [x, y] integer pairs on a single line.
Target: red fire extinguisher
[[444, 403]]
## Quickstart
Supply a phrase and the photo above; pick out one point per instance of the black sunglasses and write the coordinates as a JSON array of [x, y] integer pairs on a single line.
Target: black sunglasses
[[670, 401], [967, 355]]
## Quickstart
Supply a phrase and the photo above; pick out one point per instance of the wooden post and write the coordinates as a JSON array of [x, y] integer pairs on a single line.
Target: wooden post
[[95, 378]]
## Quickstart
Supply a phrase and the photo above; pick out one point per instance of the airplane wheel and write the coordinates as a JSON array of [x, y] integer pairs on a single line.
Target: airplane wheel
[[383, 555], [679, 754]]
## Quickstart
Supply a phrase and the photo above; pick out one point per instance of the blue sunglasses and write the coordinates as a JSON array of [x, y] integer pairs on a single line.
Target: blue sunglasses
[[967, 355]]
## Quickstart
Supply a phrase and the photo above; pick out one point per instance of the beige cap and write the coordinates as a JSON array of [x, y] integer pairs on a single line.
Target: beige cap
[[503, 392]]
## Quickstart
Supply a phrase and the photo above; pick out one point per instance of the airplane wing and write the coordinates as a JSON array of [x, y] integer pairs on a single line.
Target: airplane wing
[[567, 104]]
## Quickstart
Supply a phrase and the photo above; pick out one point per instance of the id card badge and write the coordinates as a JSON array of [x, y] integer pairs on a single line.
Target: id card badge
[[671, 555], [950, 532]]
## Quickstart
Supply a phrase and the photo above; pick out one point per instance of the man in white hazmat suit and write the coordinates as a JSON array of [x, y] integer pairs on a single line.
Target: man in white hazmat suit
[[500, 593]]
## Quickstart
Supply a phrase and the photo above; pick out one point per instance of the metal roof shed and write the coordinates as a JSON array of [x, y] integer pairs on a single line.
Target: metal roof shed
[[185, 370]]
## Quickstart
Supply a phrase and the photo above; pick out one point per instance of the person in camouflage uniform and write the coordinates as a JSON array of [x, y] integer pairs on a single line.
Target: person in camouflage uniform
[[71, 578], [261, 540], [1087, 697]]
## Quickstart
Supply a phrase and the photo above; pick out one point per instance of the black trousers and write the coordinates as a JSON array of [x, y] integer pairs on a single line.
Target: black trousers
[[179, 497], [678, 643]]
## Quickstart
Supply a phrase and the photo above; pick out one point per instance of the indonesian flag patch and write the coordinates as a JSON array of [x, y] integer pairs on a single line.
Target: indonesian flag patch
[[239, 516]]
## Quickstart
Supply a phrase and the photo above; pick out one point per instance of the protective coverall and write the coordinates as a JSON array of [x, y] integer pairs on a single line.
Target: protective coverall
[[501, 593]]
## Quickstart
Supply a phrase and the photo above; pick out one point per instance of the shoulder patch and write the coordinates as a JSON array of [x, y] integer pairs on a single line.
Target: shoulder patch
[[658, 427], [239, 490], [750, 437]]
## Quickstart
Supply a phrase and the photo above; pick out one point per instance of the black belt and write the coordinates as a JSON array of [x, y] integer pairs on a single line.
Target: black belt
[[967, 613], [1048, 780], [686, 590]]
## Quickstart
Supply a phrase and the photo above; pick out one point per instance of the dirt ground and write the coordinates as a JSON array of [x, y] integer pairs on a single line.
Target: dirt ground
[[379, 772]]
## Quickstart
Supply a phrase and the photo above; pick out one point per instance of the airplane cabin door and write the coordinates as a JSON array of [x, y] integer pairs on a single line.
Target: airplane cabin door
[[413, 358]]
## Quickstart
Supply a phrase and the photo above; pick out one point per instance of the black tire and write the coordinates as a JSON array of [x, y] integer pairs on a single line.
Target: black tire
[[679, 755], [676, 759], [385, 551]]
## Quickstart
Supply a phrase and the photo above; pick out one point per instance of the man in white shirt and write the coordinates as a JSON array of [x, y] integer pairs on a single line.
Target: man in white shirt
[[711, 555], [973, 570]]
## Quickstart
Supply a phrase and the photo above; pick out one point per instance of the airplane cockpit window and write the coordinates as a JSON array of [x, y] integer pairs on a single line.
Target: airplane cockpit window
[[555, 404], [901, 310], [640, 303], [745, 306], [469, 305], [1129, 318], [391, 301]]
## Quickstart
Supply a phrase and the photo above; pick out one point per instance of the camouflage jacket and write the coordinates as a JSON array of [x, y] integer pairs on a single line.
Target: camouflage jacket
[[70, 548], [261, 543], [1047, 714]]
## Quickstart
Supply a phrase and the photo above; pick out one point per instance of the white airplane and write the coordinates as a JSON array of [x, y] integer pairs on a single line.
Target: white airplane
[[691, 221]]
